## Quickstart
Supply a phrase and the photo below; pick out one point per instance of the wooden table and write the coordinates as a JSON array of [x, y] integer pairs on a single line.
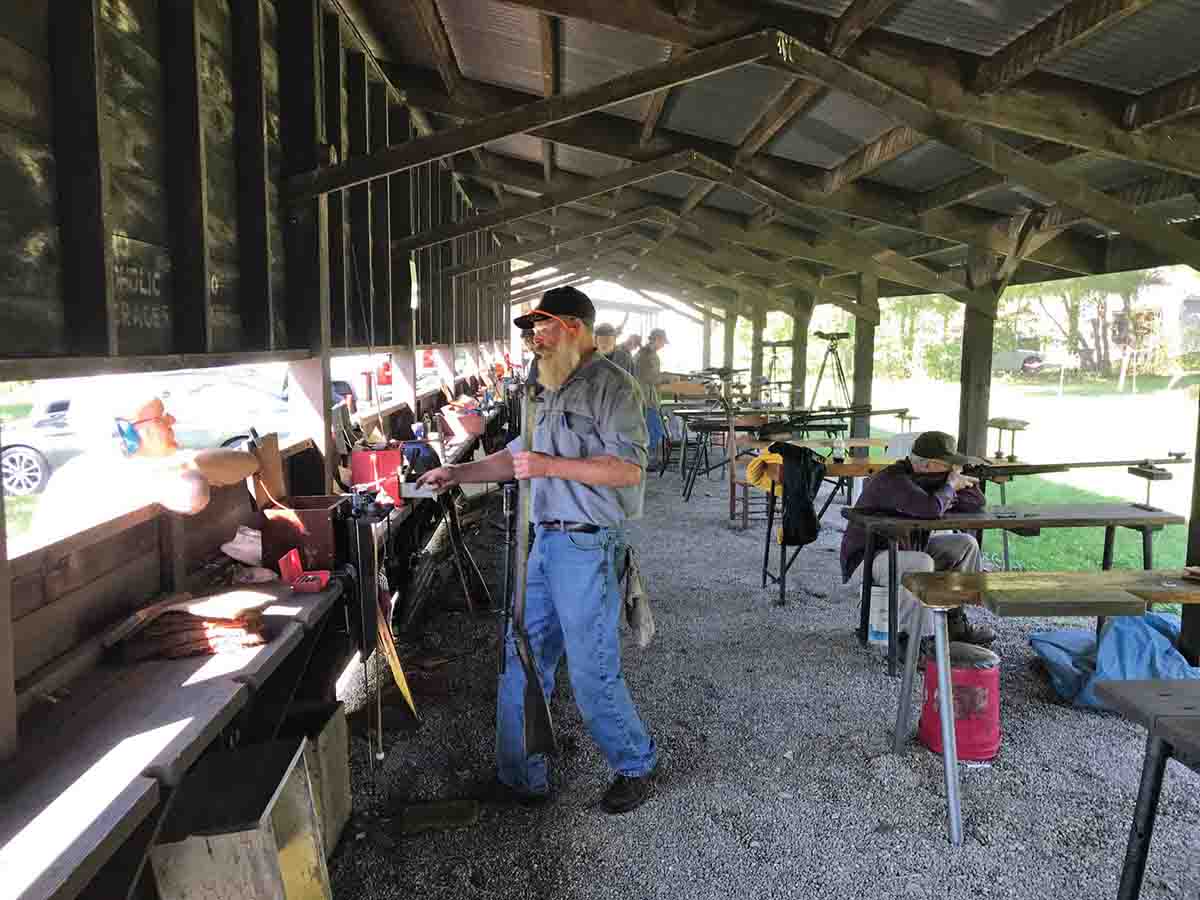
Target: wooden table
[[1024, 520], [1017, 594]]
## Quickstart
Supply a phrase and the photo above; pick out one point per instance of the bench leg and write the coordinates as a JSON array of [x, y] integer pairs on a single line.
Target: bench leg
[[893, 605], [1147, 549], [941, 640], [864, 609], [770, 528], [1004, 534], [911, 654], [1144, 812]]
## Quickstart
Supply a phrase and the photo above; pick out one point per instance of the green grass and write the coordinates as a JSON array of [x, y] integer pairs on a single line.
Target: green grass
[[1091, 386], [10, 411], [18, 514], [1077, 549]]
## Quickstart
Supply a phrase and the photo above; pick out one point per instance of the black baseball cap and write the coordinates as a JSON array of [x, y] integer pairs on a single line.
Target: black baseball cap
[[559, 302], [941, 446]]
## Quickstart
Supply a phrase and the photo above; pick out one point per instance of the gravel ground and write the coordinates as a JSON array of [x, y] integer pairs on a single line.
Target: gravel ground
[[775, 778]]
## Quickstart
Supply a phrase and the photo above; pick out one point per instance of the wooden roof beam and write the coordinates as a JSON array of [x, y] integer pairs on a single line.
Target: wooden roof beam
[[992, 153], [657, 105], [550, 30], [1073, 25], [979, 182], [860, 16], [548, 111], [1165, 104], [581, 190]]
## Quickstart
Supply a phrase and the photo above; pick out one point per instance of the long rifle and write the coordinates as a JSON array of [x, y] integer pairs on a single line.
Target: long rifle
[[989, 471], [539, 727], [510, 488]]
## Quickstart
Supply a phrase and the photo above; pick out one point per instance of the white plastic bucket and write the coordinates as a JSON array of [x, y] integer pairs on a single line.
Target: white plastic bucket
[[877, 625]]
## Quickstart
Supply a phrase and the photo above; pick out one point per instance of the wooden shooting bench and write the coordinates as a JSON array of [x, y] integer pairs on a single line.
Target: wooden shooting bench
[[94, 777], [1026, 520], [1170, 713], [1106, 593]]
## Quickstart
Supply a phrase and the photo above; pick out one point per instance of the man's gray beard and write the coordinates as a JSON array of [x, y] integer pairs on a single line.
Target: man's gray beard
[[555, 367]]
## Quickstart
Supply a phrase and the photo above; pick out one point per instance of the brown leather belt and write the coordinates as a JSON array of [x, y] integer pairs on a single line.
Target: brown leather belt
[[560, 525]]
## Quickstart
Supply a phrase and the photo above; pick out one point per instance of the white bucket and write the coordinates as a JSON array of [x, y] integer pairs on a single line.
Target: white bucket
[[877, 625]]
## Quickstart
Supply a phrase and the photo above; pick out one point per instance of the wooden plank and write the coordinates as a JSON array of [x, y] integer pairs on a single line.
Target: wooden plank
[[550, 32], [380, 298], [953, 589], [187, 176], [401, 192], [206, 531], [45, 852], [28, 26], [979, 182], [429, 21], [57, 627], [582, 189], [800, 95], [89, 304], [361, 233], [24, 90], [1075, 24], [536, 115], [657, 103], [61, 575], [142, 295], [336, 132], [891, 145], [861, 15]]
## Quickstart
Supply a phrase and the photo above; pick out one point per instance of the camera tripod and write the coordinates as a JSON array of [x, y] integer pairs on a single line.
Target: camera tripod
[[839, 374]]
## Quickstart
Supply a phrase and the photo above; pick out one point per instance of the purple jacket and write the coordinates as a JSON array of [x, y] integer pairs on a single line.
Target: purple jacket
[[900, 491]]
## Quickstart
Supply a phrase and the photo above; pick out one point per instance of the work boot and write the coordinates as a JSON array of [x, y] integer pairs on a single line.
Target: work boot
[[626, 794], [962, 631], [924, 653]]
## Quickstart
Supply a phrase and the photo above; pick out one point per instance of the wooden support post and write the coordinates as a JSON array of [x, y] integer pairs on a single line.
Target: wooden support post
[[361, 257], [400, 190], [187, 198], [255, 298], [706, 351], [8, 692], [306, 241], [975, 380], [342, 304], [864, 356], [404, 377], [758, 322], [731, 317], [381, 220], [1189, 637], [81, 172], [443, 363], [801, 319]]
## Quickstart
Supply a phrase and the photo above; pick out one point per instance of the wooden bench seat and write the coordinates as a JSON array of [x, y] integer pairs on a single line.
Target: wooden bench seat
[[1148, 700], [1183, 734]]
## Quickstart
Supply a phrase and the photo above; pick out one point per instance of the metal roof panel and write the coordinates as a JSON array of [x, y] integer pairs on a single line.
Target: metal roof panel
[[723, 107], [495, 43], [831, 130], [1145, 51], [924, 167], [976, 26]]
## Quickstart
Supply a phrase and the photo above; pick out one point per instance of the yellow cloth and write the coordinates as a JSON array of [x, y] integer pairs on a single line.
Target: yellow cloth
[[756, 472]]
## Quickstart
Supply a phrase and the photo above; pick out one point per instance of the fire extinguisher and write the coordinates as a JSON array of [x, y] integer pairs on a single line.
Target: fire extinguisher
[[385, 372]]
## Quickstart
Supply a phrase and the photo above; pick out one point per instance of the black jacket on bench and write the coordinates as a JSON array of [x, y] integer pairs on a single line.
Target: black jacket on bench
[[803, 472]]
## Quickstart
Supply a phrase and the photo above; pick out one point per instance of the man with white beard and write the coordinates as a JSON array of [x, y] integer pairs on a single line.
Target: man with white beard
[[587, 463]]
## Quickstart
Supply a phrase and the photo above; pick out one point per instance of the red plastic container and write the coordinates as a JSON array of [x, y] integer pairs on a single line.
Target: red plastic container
[[369, 466], [976, 712]]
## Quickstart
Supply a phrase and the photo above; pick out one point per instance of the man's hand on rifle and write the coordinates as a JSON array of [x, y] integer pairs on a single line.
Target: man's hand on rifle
[[440, 478], [959, 481]]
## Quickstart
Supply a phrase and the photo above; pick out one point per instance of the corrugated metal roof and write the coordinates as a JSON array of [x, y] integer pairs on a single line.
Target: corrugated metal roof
[[671, 184], [724, 106], [585, 162], [924, 167], [731, 201], [832, 8], [495, 42], [1146, 50], [831, 130], [521, 146], [595, 53], [1109, 174], [976, 26]]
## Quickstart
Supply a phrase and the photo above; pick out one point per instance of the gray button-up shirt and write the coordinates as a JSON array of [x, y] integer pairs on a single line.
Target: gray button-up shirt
[[597, 412]]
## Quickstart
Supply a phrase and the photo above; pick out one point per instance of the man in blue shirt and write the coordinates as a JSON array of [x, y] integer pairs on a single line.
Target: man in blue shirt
[[587, 463]]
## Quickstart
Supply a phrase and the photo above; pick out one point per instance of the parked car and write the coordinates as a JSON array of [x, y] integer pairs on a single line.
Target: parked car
[[208, 413]]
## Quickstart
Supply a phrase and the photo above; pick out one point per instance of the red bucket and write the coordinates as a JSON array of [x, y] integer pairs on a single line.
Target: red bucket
[[976, 704]]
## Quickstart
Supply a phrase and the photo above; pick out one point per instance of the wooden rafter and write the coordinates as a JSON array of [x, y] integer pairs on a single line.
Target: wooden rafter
[[548, 111], [993, 153], [1146, 192], [1165, 104], [867, 159], [584, 188], [979, 182], [860, 16], [550, 29], [658, 102], [1075, 23]]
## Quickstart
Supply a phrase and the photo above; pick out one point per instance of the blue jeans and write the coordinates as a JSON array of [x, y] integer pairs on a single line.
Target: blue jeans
[[654, 427], [572, 604]]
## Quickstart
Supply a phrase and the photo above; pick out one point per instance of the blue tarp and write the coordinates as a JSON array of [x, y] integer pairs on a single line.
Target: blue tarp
[[1131, 647]]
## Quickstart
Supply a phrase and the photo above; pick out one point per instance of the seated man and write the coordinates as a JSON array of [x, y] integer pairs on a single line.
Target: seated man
[[136, 463], [926, 485]]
